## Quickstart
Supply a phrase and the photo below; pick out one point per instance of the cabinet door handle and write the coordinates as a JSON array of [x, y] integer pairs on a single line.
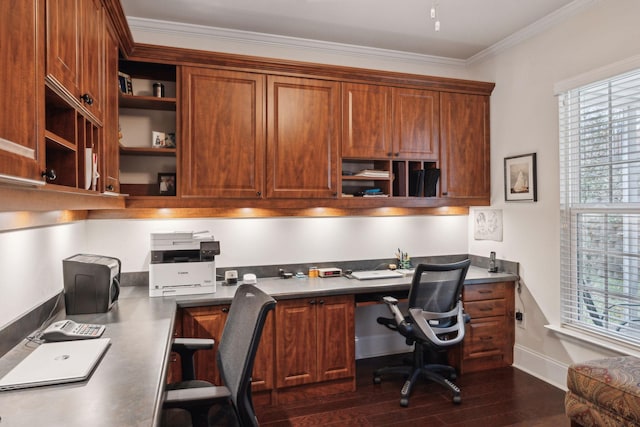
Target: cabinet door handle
[[225, 310], [49, 174], [397, 154], [109, 187], [258, 193], [321, 302], [444, 193], [313, 302], [86, 98]]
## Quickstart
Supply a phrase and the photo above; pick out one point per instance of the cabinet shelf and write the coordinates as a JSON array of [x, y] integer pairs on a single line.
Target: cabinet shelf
[[55, 141], [147, 102], [146, 151]]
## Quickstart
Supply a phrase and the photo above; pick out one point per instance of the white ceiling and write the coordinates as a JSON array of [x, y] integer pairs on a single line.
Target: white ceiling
[[468, 27]]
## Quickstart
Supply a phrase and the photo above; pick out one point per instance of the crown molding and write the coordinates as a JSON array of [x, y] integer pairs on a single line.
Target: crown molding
[[532, 30], [253, 38]]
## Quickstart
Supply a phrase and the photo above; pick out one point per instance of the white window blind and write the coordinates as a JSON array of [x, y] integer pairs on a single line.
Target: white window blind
[[600, 207]]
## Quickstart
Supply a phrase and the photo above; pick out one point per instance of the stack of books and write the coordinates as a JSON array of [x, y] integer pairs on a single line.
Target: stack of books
[[374, 173]]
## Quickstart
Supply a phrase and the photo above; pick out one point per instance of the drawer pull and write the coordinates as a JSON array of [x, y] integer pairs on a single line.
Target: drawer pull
[[489, 338], [486, 309], [485, 291]]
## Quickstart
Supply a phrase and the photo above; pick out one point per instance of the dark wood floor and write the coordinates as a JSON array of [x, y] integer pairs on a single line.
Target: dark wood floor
[[501, 397]]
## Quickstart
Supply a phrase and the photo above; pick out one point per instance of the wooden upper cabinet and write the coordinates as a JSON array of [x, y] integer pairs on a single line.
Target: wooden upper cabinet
[[303, 134], [21, 89], [223, 134], [465, 156], [381, 122], [75, 34], [110, 167], [415, 123], [366, 121]]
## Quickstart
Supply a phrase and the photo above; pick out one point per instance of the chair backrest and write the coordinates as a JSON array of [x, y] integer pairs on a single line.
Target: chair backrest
[[239, 344], [434, 300]]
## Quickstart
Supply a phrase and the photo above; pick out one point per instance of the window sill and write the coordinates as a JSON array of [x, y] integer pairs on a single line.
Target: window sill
[[596, 340]]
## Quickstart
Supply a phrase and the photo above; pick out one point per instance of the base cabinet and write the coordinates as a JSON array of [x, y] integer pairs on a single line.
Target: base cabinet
[[208, 322], [315, 340], [489, 336]]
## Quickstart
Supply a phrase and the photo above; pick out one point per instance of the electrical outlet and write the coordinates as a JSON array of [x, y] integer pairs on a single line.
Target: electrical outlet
[[520, 319]]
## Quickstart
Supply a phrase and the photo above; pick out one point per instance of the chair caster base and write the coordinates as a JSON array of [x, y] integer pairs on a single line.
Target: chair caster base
[[457, 400], [404, 402], [377, 380]]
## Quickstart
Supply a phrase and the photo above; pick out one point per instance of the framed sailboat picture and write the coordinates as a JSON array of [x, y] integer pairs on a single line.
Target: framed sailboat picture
[[520, 180]]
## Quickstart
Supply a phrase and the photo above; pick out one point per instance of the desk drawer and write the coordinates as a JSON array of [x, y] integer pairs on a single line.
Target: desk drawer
[[487, 308], [485, 338], [484, 291]]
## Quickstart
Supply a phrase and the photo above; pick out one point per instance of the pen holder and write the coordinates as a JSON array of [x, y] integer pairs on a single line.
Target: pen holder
[[404, 264]]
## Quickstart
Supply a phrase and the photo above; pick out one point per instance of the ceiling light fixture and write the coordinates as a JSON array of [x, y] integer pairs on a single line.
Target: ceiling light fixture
[[434, 14]]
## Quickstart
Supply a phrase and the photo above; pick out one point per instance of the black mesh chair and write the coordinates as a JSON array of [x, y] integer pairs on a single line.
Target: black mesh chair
[[235, 357], [435, 321]]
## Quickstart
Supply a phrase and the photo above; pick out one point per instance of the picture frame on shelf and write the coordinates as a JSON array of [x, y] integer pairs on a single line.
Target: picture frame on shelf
[[170, 140], [158, 139], [167, 183], [520, 178]]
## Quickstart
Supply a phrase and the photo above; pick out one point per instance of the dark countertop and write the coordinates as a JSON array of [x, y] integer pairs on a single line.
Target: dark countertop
[[126, 387]]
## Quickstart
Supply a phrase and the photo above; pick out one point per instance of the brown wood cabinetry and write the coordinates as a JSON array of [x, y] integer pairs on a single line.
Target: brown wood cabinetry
[[110, 166], [465, 149], [21, 89], [208, 322], [315, 340], [389, 122], [303, 134], [489, 336], [223, 133], [75, 32]]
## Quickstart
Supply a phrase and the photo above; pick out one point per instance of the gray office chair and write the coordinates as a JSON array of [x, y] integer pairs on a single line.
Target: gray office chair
[[235, 357], [434, 322]]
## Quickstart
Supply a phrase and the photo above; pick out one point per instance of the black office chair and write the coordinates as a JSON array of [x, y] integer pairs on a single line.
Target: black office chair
[[434, 322], [235, 357]]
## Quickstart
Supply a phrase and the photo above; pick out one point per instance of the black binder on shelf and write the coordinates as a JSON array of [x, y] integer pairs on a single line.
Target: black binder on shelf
[[431, 176], [416, 183]]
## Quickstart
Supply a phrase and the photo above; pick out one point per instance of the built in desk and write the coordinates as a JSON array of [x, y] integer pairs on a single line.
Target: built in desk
[[127, 386]]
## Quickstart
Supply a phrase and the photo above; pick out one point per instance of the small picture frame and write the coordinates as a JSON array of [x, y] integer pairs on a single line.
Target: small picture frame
[[158, 139], [167, 184], [520, 178], [170, 140]]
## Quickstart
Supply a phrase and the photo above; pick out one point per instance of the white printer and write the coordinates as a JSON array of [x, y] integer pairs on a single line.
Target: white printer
[[182, 263]]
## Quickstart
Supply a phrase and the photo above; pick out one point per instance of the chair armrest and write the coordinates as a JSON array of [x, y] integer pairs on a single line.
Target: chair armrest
[[186, 347], [191, 344], [199, 396]]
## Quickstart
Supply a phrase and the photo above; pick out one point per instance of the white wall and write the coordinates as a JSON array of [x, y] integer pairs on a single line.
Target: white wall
[[268, 241], [524, 119], [31, 266]]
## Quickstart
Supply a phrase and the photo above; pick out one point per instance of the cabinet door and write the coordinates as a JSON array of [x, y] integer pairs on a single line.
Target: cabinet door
[[296, 340], [366, 121], [262, 377], [63, 43], [415, 124], [92, 31], [336, 337], [21, 89], [302, 137], [222, 133], [109, 173], [205, 322], [465, 151]]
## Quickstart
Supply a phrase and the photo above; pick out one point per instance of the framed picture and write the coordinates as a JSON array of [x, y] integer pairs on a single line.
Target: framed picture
[[157, 139], [520, 178], [167, 184]]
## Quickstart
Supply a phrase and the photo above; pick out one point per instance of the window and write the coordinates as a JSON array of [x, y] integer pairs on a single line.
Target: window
[[600, 207]]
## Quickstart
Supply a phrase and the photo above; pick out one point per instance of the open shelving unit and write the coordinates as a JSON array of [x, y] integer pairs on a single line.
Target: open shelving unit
[[141, 113]]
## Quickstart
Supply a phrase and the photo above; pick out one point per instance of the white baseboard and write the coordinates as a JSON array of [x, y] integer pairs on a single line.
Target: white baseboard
[[540, 366]]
